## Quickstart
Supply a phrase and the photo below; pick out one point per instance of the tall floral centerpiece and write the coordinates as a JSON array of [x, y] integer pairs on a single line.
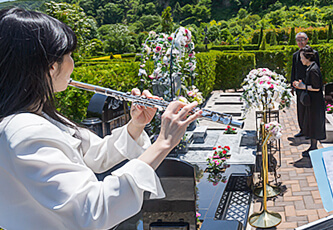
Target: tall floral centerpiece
[[168, 66], [174, 61], [265, 90]]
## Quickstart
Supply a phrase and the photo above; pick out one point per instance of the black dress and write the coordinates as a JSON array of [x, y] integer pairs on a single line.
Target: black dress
[[314, 116]]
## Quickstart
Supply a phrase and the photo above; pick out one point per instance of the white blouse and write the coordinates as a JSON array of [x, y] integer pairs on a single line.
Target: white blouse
[[47, 178]]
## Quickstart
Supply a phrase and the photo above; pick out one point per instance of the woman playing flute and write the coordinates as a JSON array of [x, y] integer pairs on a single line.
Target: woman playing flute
[[47, 163]]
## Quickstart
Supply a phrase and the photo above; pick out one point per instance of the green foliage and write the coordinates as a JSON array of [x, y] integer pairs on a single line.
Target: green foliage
[[231, 69], [315, 37], [95, 47], [234, 47], [292, 37], [261, 34], [263, 43], [121, 76], [74, 17], [167, 24], [329, 32], [273, 41], [326, 61], [117, 39], [205, 79]]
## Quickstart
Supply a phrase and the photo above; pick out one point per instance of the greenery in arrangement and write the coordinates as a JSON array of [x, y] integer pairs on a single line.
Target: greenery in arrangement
[[216, 165], [230, 130]]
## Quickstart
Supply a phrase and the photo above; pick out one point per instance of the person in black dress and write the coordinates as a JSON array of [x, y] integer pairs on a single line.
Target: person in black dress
[[314, 115], [298, 73]]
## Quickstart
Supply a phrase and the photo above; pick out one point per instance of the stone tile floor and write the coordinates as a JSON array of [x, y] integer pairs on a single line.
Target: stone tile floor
[[300, 202]]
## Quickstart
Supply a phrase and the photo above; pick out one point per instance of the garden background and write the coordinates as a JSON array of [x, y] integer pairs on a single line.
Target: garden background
[[231, 36]]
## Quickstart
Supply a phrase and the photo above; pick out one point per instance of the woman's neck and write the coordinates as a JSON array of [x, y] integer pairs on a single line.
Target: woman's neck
[[309, 63]]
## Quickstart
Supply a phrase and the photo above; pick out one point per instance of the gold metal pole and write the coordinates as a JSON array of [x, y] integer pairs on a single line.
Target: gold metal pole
[[265, 219], [272, 191]]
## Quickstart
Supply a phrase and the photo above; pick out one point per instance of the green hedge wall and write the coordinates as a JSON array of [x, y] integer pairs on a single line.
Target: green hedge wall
[[74, 102], [234, 47], [231, 69], [205, 80]]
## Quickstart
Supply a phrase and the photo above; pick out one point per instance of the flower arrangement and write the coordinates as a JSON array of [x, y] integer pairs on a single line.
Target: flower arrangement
[[262, 87], [230, 130], [172, 55], [216, 163], [329, 108], [274, 129]]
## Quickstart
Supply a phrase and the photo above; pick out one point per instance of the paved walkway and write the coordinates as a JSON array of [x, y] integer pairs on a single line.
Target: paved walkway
[[300, 201]]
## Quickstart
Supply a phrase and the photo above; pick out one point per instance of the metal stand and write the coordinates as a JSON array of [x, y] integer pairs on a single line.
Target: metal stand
[[265, 219], [273, 147]]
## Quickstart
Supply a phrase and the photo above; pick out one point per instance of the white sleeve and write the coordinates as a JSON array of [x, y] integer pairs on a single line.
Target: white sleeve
[[102, 154], [41, 156]]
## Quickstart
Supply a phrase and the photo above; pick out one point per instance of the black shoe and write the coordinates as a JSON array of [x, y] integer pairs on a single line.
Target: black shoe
[[306, 152], [299, 134]]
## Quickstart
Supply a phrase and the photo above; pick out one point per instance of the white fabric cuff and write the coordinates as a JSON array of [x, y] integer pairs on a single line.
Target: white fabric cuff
[[133, 149], [144, 177]]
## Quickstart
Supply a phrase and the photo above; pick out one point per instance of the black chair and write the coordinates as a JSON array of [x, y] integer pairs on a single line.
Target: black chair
[[105, 113], [328, 89]]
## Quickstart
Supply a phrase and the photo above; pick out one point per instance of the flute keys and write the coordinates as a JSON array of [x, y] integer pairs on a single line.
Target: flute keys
[[215, 117]]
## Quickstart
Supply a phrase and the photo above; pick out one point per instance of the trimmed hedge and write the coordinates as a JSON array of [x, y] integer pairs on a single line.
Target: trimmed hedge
[[74, 102], [205, 80], [281, 60], [234, 47], [232, 68]]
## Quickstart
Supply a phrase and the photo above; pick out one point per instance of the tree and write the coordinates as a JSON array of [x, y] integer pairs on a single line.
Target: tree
[[292, 37], [261, 34], [273, 41], [329, 32], [315, 37], [177, 12], [118, 40], [95, 47], [74, 17], [167, 24], [242, 13], [263, 43]]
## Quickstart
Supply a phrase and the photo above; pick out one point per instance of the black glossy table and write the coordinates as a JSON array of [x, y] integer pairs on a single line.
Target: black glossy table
[[221, 205]]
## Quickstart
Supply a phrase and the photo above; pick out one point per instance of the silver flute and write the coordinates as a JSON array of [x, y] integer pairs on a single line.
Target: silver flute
[[155, 103]]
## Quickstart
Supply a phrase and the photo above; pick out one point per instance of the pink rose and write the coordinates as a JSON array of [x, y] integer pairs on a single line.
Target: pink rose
[[158, 48]]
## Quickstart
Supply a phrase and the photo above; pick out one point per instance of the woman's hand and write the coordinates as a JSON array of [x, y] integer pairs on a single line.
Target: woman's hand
[[299, 84], [175, 120], [140, 115]]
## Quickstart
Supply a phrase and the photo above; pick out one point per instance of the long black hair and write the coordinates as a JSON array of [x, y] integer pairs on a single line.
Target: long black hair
[[30, 43]]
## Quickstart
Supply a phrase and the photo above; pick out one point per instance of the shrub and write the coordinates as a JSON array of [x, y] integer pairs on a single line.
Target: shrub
[[231, 69], [205, 79], [234, 47], [74, 102]]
